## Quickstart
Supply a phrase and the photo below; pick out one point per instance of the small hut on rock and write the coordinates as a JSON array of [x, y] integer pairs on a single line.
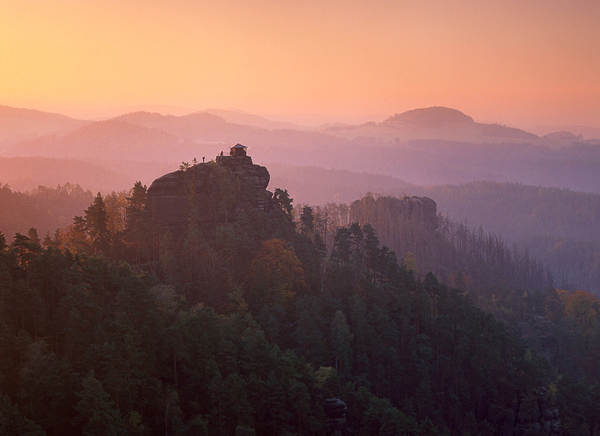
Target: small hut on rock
[[237, 150]]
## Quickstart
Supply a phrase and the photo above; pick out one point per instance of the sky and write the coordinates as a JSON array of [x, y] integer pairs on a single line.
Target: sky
[[521, 63]]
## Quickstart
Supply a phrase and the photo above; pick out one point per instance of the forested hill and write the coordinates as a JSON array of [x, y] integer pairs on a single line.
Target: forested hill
[[252, 327], [517, 211], [45, 209], [469, 258], [558, 226]]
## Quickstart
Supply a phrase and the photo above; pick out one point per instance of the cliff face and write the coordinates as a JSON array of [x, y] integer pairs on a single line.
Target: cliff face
[[254, 177], [420, 211], [405, 225], [214, 193]]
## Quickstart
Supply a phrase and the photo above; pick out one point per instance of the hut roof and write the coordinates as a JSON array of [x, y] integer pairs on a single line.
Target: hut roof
[[238, 146]]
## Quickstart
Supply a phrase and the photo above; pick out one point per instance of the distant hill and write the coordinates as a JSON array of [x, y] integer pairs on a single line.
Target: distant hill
[[517, 211], [112, 139], [558, 226], [7, 112], [199, 126], [23, 124], [563, 136], [435, 117], [452, 148], [27, 173], [436, 123], [160, 108], [157, 120], [586, 131], [239, 117]]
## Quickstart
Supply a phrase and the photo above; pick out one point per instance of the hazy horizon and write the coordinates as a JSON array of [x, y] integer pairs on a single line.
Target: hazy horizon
[[516, 63], [308, 120]]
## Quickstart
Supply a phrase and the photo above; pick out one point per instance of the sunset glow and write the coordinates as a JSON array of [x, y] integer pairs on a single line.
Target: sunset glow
[[513, 62]]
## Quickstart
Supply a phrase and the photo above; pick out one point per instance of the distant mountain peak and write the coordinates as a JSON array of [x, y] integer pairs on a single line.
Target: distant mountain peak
[[434, 116]]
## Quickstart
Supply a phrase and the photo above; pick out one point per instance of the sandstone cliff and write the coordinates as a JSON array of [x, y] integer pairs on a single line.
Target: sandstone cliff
[[405, 225], [421, 211], [214, 193]]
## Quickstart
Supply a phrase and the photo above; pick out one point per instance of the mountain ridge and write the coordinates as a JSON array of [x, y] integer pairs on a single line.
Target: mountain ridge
[[17, 124], [429, 117]]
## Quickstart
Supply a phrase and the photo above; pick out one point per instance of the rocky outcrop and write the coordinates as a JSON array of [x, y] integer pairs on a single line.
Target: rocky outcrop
[[255, 176], [538, 414], [335, 410], [405, 225], [420, 211], [217, 191]]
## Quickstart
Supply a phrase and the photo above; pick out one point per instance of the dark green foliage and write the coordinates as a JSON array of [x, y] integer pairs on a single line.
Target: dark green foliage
[[580, 406], [284, 201], [96, 225], [138, 226], [247, 327], [281, 215], [13, 423], [96, 413]]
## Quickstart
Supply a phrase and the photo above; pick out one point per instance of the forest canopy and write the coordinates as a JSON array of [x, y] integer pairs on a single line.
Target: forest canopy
[[112, 326]]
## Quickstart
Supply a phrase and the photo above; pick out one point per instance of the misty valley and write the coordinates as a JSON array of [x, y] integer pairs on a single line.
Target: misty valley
[[219, 273]]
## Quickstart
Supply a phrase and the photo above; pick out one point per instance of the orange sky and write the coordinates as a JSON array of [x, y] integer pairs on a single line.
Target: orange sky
[[521, 63]]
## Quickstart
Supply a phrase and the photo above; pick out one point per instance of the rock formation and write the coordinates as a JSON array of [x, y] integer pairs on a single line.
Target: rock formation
[[405, 225], [215, 191], [336, 409], [538, 414], [419, 210]]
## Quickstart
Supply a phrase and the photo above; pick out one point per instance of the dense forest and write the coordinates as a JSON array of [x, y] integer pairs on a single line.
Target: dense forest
[[484, 261], [557, 226], [113, 326], [45, 209]]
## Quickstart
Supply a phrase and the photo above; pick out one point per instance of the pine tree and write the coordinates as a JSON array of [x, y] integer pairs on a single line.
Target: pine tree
[[96, 225], [97, 415], [138, 226], [341, 344], [13, 423]]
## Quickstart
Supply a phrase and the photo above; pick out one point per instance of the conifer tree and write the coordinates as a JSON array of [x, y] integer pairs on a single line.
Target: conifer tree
[[97, 415], [96, 225], [341, 343], [138, 232]]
